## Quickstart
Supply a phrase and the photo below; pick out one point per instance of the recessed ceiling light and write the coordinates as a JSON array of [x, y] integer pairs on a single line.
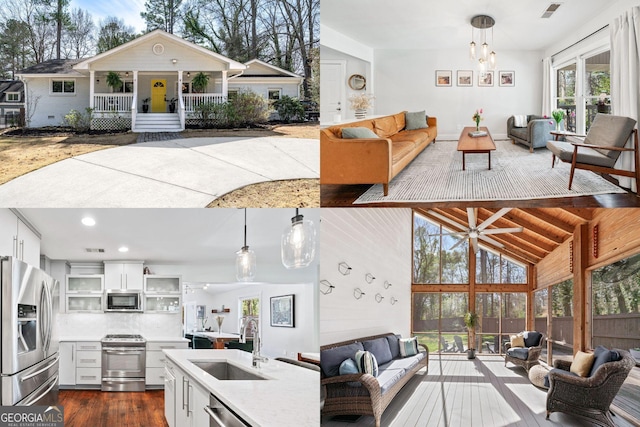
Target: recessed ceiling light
[[88, 221], [123, 249]]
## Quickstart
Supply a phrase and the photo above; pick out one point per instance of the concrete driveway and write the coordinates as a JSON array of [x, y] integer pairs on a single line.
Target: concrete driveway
[[176, 173]]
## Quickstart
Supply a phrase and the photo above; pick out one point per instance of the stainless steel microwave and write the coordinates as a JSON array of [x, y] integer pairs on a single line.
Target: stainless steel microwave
[[123, 300]]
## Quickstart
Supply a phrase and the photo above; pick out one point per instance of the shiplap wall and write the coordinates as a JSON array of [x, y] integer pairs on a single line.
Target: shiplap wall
[[370, 240]]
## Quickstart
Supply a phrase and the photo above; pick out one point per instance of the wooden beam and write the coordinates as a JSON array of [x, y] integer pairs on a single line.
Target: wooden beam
[[439, 288], [580, 260], [552, 234], [533, 230], [531, 277], [547, 216], [581, 214], [520, 244], [472, 295], [510, 287]]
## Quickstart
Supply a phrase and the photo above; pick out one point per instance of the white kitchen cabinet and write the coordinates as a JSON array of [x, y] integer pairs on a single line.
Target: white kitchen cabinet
[[158, 284], [156, 361], [170, 392], [67, 363], [167, 304], [123, 275], [190, 398], [84, 303], [18, 239], [84, 293], [85, 283]]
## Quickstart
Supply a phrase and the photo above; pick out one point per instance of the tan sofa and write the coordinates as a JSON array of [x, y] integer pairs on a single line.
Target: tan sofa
[[372, 160]]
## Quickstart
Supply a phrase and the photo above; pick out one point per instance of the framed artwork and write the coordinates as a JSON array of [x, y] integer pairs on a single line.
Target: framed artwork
[[282, 311], [443, 77], [465, 78], [485, 78], [507, 78]]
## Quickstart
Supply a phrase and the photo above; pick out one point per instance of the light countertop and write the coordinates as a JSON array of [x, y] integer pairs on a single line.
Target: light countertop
[[290, 397], [99, 338], [216, 335]]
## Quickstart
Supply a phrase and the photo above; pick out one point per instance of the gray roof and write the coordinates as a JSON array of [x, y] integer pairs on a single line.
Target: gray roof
[[11, 86], [52, 66]]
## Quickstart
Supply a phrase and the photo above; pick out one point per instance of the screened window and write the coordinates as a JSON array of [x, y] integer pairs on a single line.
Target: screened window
[[494, 268], [438, 255], [616, 304], [500, 315], [63, 86], [540, 313], [438, 320], [562, 318]]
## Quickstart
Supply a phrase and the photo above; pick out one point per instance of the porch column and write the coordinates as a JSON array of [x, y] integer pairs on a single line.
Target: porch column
[[135, 88], [580, 278], [225, 84], [92, 84], [181, 112]]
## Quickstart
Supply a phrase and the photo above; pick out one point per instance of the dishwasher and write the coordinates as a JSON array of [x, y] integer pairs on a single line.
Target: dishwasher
[[222, 416]]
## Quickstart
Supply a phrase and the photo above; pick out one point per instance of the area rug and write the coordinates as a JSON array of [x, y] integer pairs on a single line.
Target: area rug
[[436, 175]]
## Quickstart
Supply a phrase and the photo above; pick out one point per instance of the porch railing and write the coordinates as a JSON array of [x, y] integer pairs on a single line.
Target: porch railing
[[192, 100], [116, 103]]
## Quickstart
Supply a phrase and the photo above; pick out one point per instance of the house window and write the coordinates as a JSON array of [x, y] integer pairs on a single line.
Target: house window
[[13, 96], [274, 94], [250, 307], [128, 87], [232, 94], [63, 86]]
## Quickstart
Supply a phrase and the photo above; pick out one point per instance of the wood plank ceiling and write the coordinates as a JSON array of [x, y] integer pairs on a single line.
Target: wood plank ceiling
[[543, 229]]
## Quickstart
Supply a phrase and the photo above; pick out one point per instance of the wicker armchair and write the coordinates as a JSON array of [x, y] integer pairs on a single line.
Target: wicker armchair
[[531, 352], [588, 397]]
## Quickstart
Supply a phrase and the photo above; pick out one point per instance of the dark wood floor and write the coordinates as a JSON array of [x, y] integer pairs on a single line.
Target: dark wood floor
[[345, 195], [94, 408]]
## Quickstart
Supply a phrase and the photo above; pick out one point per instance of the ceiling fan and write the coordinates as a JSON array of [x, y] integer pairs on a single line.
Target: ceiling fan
[[475, 231]]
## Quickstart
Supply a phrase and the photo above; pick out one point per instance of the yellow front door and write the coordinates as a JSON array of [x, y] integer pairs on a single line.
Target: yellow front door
[[158, 95]]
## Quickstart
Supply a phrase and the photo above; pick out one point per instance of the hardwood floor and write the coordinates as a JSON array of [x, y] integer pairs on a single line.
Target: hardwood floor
[[94, 408], [461, 392], [345, 195]]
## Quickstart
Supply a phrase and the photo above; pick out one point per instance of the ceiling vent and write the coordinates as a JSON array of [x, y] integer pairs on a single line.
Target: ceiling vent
[[550, 10], [95, 250]]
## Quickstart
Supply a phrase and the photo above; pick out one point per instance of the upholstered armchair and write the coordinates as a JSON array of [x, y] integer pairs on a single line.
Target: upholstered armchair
[[591, 396], [528, 355], [534, 135]]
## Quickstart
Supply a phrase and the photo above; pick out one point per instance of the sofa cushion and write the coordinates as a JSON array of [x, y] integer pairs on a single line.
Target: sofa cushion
[[416, 137], [520, 133], [531, 338], [347, 367], [394, 345], [517, 341], [330, 359], [351, 133], [366, 363], [603, 355], [385, 126], [520, 121], [564, 151], [400, 121], [609, 130], [337, 130], [518, 353], [546, 377], [389, 377], [400, 149], [379, 348], [582, 363], [407, 363], [416, 120], [408, 346]]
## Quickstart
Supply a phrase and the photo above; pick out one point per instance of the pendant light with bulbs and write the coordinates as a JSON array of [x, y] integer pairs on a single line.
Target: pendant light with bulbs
[[483, 23], [298, 244], [245, 259]]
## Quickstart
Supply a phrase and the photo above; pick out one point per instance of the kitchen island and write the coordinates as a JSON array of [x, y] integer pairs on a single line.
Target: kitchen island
[[289, 396]]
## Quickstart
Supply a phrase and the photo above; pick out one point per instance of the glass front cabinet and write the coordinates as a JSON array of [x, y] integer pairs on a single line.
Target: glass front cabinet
[[162, 293], [84, 293]]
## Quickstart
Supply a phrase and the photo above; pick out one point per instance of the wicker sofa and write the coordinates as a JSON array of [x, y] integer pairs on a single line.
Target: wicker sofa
[[590, 396], [364, 394], [372, 160]]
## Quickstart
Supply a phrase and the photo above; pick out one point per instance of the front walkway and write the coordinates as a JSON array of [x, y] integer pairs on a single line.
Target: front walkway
[[164, 173]]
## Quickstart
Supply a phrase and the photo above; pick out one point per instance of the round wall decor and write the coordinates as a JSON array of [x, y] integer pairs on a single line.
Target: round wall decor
[[158, 49]]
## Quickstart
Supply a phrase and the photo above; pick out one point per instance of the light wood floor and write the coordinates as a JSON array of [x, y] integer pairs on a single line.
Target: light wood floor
[[461, 392], [83, 408]]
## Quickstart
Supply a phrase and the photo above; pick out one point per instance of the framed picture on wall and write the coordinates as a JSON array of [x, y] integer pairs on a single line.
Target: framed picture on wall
[[485, 78], [443, 77], [282, 311], [465, 78], [507, 78]]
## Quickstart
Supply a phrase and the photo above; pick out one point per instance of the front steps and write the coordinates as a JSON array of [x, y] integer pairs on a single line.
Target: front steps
[[157, 122]]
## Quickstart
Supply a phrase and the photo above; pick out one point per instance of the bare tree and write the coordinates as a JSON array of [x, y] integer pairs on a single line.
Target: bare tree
[[78, 39]]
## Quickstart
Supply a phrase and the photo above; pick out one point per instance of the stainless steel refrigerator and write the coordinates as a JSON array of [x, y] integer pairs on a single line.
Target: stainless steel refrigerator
[[29, 337]]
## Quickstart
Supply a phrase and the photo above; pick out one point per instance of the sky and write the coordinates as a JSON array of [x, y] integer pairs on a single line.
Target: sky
[[127, 10]]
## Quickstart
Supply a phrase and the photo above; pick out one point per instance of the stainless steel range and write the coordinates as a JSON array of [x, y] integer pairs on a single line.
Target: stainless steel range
[[123, 362]]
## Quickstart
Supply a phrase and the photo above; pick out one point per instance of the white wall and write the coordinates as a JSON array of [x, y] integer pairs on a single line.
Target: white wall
[[276, 341], [353, 66], [51, 109], [370, 240], [405, 80], [98, 325]]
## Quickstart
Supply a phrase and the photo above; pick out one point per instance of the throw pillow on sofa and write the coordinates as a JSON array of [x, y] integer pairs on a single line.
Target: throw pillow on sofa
[[417, 120], [517, 341], [366, 363], [348, 367], [352, 133], [582, 363], [408, 346], [520, 121]]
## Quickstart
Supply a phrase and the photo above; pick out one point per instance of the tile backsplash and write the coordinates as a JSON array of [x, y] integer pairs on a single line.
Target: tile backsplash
[[147, 325]]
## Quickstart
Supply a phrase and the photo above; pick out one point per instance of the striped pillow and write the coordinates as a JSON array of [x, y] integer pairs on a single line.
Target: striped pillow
[[408, 346], [367, 363]]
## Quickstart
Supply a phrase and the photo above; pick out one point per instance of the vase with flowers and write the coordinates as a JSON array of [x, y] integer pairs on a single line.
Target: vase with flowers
[[219, 320], [477, 116], [360, 103], [558, 116]]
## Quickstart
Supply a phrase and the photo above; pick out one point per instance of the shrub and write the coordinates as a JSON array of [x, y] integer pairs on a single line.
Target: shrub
[[289, 108], [213, 114], [79, 121], [248, 108]]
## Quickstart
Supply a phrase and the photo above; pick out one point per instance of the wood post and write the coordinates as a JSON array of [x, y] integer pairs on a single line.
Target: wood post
[[580, 262]]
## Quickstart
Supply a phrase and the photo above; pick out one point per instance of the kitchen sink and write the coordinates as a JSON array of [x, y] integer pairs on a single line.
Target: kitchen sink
[[227, 372]]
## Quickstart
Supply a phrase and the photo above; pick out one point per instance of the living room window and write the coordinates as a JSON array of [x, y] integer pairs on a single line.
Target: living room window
[[616, 304], [66, 87], [566, 94]]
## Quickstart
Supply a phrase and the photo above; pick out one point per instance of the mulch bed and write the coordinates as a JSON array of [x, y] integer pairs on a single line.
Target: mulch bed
[[53, 131]]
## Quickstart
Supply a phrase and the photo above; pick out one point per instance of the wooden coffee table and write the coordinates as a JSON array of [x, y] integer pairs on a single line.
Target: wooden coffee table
[[479, 145]]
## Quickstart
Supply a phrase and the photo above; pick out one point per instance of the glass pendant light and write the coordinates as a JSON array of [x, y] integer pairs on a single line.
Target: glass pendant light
[[245, 259], [298, 244]]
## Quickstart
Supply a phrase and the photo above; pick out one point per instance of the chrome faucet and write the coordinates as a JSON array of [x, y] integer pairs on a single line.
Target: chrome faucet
[[255, 355]]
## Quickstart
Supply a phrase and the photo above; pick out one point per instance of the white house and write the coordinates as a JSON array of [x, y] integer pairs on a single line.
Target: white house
[[156, 69]]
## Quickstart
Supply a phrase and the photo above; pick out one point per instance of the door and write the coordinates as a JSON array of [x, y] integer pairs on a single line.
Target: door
[[332, 87], [158, 95]]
